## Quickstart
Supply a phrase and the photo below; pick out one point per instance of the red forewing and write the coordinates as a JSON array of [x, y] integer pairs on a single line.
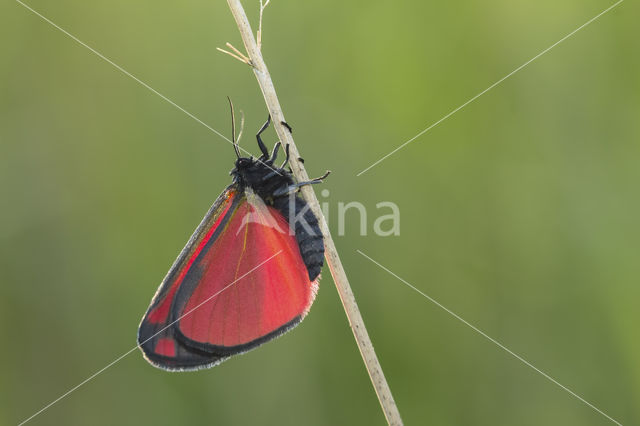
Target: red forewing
[[239, 282]]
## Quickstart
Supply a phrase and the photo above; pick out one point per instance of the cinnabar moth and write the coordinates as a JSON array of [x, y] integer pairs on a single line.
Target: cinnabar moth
[[246, 276]]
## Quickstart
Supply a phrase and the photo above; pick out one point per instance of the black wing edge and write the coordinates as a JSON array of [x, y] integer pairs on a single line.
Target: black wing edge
[[186, 359]]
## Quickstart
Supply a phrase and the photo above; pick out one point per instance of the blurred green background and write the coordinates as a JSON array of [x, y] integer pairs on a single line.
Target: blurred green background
[[520, 212]]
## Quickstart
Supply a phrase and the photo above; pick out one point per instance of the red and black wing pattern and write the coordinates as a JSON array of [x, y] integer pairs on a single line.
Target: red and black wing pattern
[[238, 283]]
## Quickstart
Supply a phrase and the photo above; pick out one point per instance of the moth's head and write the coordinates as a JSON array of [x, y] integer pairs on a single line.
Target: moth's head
[[249, 171], [242, 168], [259, 174], [244, 163]]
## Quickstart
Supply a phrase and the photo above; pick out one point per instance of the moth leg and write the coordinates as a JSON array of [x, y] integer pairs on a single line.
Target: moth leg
[[274, 154], [270, 175], [286, 160], [285, 124], [263, 148], [289, 189]]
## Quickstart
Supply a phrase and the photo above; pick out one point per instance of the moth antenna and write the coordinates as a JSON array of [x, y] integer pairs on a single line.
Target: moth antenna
[[233, 128], [241, 128]]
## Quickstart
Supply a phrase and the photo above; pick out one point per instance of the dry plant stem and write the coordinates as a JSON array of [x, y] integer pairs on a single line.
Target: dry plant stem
[[333, 260], [259, 37], [238, 55]]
